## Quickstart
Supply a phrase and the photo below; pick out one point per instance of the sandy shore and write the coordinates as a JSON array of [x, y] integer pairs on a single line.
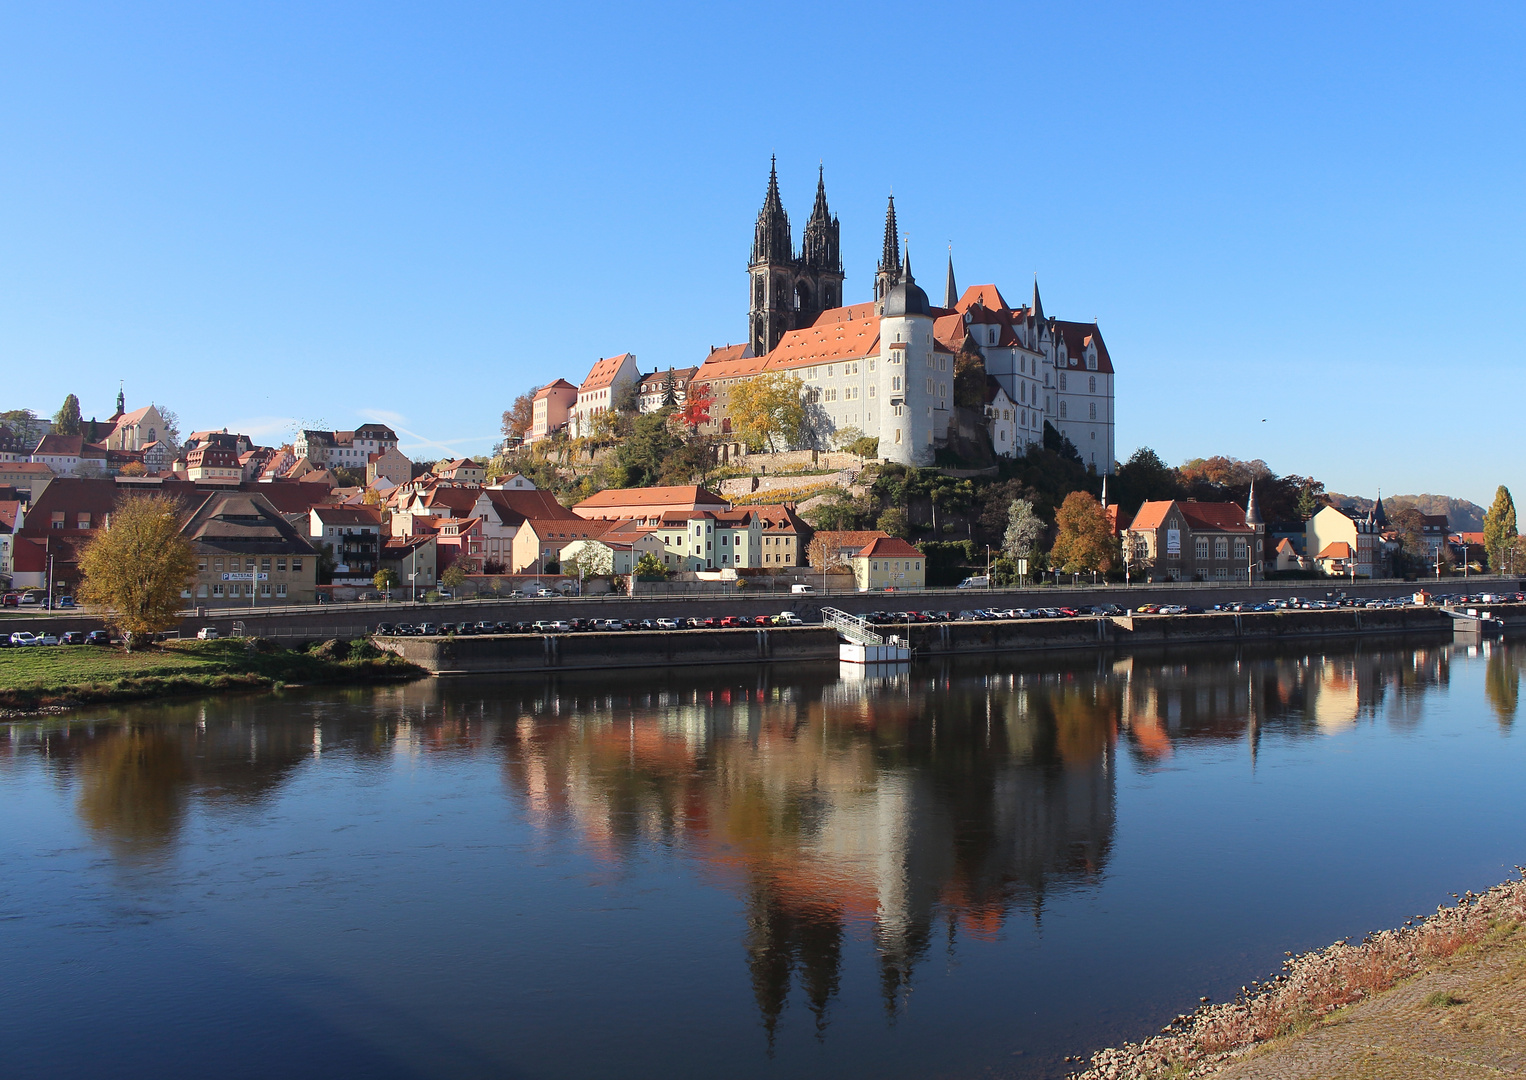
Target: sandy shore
[[1442, 996]]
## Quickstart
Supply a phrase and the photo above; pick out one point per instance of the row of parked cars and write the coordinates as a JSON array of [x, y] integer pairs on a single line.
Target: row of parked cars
[[34, 598], [568, 626], [21, 639], [902, 618]]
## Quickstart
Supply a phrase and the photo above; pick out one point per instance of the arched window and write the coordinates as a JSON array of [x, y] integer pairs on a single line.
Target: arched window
[[1062, 410], [1091, 384], [802, 296], [1094, 410]]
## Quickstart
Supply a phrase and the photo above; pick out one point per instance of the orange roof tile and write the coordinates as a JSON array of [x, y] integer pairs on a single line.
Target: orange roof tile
[[603, 373], [889, 547], [825, 342], [1338, 550]]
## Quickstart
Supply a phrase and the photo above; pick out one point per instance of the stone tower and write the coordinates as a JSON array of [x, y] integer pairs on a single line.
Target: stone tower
[[888, 274], [786, 292]]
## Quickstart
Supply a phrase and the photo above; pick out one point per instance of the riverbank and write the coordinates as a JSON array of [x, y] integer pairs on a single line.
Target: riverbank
[[57, 678], [1442, 996]]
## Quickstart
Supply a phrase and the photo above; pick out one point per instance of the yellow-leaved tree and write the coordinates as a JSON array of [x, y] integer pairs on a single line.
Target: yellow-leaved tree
[[768, 409], [1084, 541], [136, 567]]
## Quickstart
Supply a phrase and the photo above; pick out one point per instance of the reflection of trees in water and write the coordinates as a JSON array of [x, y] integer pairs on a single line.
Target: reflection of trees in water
[[132, 790], [892, 807], [1231, 694], [1502, 681]]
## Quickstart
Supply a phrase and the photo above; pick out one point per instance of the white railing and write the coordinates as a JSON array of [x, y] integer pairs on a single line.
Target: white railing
[[851, 627]]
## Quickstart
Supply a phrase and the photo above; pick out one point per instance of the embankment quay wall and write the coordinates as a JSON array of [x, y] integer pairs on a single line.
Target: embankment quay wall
[[346, 620], [507, 653]]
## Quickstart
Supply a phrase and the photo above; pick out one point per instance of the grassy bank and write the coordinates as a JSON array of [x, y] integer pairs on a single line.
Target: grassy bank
[[64, 676]]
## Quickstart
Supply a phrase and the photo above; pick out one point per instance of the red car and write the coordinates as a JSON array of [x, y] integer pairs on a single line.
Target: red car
[[731, 620], [763, 620]]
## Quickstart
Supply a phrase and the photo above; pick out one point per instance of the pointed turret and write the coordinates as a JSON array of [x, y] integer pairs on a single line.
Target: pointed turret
[[1379, 517], [771, 239], [950, 290], [1253, 509], [1038, 305], [121, 400], [906, 266], [819, 246], [889, 270]]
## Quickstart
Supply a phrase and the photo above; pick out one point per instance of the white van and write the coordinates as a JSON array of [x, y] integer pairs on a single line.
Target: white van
[[802, 589], [978, 582]]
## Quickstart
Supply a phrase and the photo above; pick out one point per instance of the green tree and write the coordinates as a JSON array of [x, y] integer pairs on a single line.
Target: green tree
[[385, 580], [137, 566], [66, 421], [650, 566], [1084, 541], [1310, 499], [455, 574], [768, 410], [1500, 529], [645, 454], [1023, 530], [895, 521], [670, 391], [1141, 479]]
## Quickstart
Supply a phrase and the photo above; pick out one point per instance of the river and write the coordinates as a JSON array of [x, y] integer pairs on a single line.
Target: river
[[958, 870]]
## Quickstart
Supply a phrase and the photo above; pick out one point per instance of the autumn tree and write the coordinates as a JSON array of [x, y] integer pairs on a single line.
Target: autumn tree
[[455, 574], [519, 416], [696, 407], [650, 566], [1085, 539], [768, 409], [1500, 529], [385, 580], [137, 566], [970, 375], [895, 521], [822, 555], [67, 421]]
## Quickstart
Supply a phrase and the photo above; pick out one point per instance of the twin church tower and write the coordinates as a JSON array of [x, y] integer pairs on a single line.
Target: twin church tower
[[789, 291]]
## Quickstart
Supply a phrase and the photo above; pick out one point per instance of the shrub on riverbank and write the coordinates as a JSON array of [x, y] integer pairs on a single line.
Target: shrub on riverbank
[[62, 676]]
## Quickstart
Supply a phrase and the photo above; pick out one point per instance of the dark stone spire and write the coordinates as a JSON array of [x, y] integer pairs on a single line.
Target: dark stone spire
[[1038, 305], [819, 247], [889, 270], [1379, 515], [771, 241], [950, 290]]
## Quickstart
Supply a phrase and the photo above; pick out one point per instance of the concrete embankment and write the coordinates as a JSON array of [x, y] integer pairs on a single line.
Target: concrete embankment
[[490, 654]]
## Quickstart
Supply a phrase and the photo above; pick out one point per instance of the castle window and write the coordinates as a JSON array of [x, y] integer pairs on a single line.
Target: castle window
[[1094, 410], [1062, 380], [1062, 410], [1091, 384]]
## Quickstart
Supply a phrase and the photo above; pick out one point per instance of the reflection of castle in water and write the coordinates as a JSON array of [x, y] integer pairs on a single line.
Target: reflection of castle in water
[[937, 802], [897, 808]]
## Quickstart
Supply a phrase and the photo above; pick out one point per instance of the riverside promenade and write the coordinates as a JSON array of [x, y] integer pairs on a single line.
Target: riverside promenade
[[1442, 998]]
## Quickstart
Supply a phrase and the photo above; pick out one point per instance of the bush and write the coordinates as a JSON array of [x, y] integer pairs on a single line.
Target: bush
[[362, 649], [333, 649]]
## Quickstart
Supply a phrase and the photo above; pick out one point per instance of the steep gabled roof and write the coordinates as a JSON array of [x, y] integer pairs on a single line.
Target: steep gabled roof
[[1150, 515], [988, 296], [729, 362], [603, 372], [1078, 336], [1338, 550], [560, 384], [513, 507]]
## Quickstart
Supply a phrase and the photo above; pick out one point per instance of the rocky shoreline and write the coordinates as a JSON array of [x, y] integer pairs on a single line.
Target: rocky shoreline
[[1311, 989]]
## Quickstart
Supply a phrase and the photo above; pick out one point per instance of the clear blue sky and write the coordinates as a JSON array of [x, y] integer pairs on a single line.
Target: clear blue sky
[[260, 214]]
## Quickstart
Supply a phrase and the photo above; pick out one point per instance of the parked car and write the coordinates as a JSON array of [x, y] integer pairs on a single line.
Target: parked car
[[803, 589], [445, 594], [731, 620], [28, 598], [66, 602], [979, 581], [98, 637], [667, 624], [47, 638], [22, 638], [428, 629], [72, 637], [207, 633], [787, 618], [10, 599]]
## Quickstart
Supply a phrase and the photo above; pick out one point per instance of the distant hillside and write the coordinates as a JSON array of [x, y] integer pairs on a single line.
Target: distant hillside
[[1462, 515]]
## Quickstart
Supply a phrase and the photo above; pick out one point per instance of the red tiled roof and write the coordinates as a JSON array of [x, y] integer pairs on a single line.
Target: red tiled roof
[[560, 384], [988, 296], [611, 498], [826, 342], [1214, 517], [1078, 336], [603, 373], [729, 362], [513, 507], [348, 515], [1150, 515], [1338, 550], [851, 313], [889, 547]]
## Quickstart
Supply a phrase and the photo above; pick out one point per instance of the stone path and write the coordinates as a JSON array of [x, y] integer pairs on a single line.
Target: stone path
[[1406, 1034]]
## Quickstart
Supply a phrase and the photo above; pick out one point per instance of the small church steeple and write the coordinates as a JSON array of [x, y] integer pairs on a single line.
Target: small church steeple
[[121, 399], [1038, 305], [950, 290]]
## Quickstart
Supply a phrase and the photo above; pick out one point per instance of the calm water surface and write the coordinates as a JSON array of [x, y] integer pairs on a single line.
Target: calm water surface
[[966, 870]]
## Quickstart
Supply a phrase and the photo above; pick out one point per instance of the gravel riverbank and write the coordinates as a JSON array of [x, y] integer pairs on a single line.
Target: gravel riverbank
[[1444, 995]]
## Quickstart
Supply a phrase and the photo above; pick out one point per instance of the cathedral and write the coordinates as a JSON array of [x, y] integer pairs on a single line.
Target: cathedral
[[885, 367]]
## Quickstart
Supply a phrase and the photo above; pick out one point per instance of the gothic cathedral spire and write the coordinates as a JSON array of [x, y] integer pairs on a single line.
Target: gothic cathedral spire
[[950, 291], [789, 293], [888, 273]]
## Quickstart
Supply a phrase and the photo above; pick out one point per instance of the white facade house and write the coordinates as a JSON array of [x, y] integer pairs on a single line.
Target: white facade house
[[608, 377], [344, 449]]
